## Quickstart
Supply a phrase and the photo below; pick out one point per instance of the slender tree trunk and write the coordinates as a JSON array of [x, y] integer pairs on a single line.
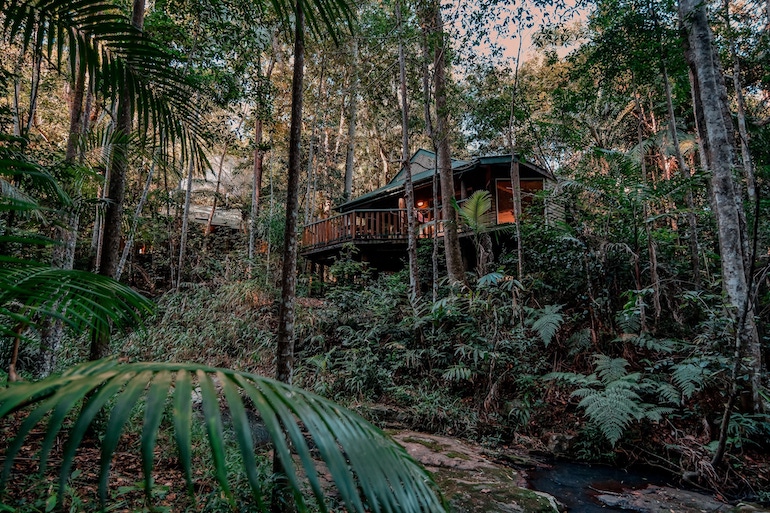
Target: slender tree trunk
[[684, 170], [284, 351], [138, 212], [310, 192], [414, 274], [454, 261], [116, 192], [651, 250], [353, 110], [285, 343], [515, 169], [259, 158], [748, 167], [33, 92], [63, 254], [185, 225], [716, 137], [256, 185], [426, 92]]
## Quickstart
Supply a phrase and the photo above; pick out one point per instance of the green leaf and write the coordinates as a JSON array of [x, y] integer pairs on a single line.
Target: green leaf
[[371, 472]]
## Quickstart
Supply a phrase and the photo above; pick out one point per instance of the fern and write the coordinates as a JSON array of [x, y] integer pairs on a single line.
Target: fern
[[547, 322], [647, 341], [689, 378], [613, 408], [611, 397], [579, 341], [457, 373], [610, 369]]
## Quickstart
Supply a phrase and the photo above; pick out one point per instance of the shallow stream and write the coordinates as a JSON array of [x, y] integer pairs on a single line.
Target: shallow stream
[[576, 485]]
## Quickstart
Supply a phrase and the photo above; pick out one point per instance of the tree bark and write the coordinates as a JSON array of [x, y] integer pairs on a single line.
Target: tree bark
[[716, 137], [429, 132], [259, 158], [684, 170], [352, 112], [116, 192], [414, 273], [743, 133], [285, 343], [454, 261], [284, 351], [139, 207]]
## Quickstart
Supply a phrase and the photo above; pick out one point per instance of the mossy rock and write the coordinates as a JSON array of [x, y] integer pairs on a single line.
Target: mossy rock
[[471, 482], [490, 490]]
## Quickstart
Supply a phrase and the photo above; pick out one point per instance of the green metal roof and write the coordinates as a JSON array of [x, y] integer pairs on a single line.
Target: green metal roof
[[395, 186]]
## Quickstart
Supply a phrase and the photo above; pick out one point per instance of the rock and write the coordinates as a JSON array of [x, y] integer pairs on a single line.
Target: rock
[[470, 481], [559, 444], [662, 499]]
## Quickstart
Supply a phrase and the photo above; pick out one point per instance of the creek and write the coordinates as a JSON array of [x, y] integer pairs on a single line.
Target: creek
[[576, 485]]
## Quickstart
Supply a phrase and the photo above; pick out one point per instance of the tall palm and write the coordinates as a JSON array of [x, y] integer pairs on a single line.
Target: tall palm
[[369, 470]]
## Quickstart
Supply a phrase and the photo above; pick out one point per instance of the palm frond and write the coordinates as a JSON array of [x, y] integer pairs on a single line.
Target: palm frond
[[476, 211], [370, 471], [94, 37], [30, 291]]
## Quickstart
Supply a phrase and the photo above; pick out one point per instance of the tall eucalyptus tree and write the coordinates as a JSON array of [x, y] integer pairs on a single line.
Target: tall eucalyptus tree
[[716, 138]]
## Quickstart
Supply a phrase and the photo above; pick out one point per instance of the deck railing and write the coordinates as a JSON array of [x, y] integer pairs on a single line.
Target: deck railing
[[362, 225]]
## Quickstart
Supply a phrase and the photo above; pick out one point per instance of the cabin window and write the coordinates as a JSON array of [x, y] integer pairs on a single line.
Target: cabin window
[[504, 197]]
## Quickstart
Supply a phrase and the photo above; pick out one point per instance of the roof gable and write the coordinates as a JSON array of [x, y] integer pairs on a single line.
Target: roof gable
[[423, 168]]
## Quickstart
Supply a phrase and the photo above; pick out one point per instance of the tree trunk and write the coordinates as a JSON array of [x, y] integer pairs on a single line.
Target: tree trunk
[[135, 223], [116, 191], [684, 170], [414, 274], [454, 262], [748, 166], [284, 351], [259, 158], [715, 132], [63, 254], [429, 132], [352, 109], [185, 225], [651, 250]]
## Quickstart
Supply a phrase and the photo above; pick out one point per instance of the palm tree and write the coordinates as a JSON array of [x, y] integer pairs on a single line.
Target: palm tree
[[371, 472]]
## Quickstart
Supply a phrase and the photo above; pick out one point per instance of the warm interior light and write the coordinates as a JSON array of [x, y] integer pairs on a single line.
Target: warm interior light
[[420, 204]]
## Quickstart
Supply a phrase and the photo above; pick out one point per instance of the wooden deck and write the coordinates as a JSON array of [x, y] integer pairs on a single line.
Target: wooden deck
[[361, 226]]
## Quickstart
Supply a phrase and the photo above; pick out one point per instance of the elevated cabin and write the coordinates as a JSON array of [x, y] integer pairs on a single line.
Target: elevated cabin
[[376, 222]]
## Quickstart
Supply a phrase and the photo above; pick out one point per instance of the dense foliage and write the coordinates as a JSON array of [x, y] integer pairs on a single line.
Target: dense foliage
[[606, 327]]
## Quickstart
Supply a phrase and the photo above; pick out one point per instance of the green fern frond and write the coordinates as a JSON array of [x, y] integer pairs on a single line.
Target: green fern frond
[[579, 341], [669, 393], [610, 369], [689, 378], [572, 378], [611, 409], [647, 341], [546, 322]]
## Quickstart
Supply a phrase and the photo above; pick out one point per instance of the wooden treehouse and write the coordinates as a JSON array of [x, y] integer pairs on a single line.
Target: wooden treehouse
[[376, 222]]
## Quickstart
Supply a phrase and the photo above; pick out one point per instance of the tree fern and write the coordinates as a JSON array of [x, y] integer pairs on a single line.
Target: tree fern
[[613, 408], [611, 397], [546, 322]]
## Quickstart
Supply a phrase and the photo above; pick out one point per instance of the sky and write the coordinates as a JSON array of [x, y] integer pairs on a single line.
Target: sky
[[511, 27]]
